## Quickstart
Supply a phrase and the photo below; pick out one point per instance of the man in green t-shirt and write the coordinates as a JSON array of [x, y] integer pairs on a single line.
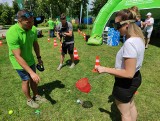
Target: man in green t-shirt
[[51, 27], [21, 38]]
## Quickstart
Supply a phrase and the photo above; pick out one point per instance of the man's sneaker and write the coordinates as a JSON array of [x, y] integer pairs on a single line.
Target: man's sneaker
[[32, 104], [72, 65], [59, 67], [39, 99]]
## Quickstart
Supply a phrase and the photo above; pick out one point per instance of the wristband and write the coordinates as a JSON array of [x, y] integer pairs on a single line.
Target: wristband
[[38, 57]]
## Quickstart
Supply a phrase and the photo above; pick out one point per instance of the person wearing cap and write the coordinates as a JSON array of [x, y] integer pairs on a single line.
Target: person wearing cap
[[148, 27], [21, 38], [128, 63], [65, 34]]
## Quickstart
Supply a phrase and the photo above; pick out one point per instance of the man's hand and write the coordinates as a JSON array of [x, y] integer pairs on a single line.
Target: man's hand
[[35, 77]]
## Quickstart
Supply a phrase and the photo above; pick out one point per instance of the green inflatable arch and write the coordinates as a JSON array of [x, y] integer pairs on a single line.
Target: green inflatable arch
[[107, 13]]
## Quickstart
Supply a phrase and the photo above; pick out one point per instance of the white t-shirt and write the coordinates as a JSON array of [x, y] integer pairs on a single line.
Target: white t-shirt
[[149, 28], [133, 47]]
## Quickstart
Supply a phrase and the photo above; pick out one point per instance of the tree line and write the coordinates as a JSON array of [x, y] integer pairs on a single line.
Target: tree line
[[50, 8]]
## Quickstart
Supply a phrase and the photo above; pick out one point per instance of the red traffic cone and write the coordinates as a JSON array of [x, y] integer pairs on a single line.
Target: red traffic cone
[[76, 57], [55, 43], [48, 39], [84, 35], [1, 43], [83, 85], [81, 33], [96, 64]]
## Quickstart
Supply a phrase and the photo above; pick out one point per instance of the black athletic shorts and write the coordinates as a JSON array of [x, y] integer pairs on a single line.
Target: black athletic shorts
[[67, 47], [124, 88]]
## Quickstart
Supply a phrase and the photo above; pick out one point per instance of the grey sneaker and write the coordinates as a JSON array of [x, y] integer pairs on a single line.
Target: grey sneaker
[[40, 99], [72, 65], [59, 67], [32, 104]]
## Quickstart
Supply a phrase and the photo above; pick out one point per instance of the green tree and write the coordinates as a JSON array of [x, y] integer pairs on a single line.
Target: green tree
[[7, 14], [15, 7], [97, 5]]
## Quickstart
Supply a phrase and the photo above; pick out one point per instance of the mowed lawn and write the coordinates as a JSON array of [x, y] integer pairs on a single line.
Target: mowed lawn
[[59, 86]]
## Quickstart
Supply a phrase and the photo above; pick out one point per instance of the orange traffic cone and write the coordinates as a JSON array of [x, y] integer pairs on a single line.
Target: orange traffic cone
[[96, 64], [81, 33], [55, 43], [1, 43], [48, 39], [76, 57], [84, 35]]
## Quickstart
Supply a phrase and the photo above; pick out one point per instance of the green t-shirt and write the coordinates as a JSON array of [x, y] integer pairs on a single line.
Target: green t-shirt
[[51, 24], [18, 38]]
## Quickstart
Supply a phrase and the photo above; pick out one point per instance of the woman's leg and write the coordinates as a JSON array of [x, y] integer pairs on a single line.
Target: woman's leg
[[124, 109], [133, 110]]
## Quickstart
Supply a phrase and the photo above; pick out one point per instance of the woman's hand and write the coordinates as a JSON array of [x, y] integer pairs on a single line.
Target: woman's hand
[[101, 69]]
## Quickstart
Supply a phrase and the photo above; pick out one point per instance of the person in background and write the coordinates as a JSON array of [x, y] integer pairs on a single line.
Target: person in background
[[65, 34], [138, 21], [135, 9], [148, 27], [21, 38], [51, 25], [57, 22], [128, 63]]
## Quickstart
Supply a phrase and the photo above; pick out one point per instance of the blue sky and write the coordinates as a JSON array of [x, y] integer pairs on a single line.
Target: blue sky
[[8, 1]]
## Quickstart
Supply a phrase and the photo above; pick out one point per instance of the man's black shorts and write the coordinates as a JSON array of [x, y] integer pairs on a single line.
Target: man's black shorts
[[67, 47], [124, 88]]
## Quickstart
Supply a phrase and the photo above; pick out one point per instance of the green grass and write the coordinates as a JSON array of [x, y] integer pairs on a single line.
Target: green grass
[[59, 86]]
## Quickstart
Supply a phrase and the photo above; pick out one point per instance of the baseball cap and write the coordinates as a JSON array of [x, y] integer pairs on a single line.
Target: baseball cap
[[24, 14], [149, 14]]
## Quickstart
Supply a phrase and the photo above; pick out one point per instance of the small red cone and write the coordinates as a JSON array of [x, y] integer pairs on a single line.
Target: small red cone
[[48, 39], [84, 35], [1, 43], [76, 57], [96, 64], [83, 85], [81, 33], [55, 43]]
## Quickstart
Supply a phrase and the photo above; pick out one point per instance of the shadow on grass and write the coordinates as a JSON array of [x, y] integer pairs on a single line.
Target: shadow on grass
[[46, 89], [68, 62], [155, 41], [114, 114]]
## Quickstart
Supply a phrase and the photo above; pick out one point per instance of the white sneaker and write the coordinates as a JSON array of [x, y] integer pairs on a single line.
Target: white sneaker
[[32, 104], [59, 67], [72, 65]]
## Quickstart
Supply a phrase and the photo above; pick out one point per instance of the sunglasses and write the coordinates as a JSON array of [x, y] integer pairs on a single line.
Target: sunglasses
[[119, 25], [27, 15]]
